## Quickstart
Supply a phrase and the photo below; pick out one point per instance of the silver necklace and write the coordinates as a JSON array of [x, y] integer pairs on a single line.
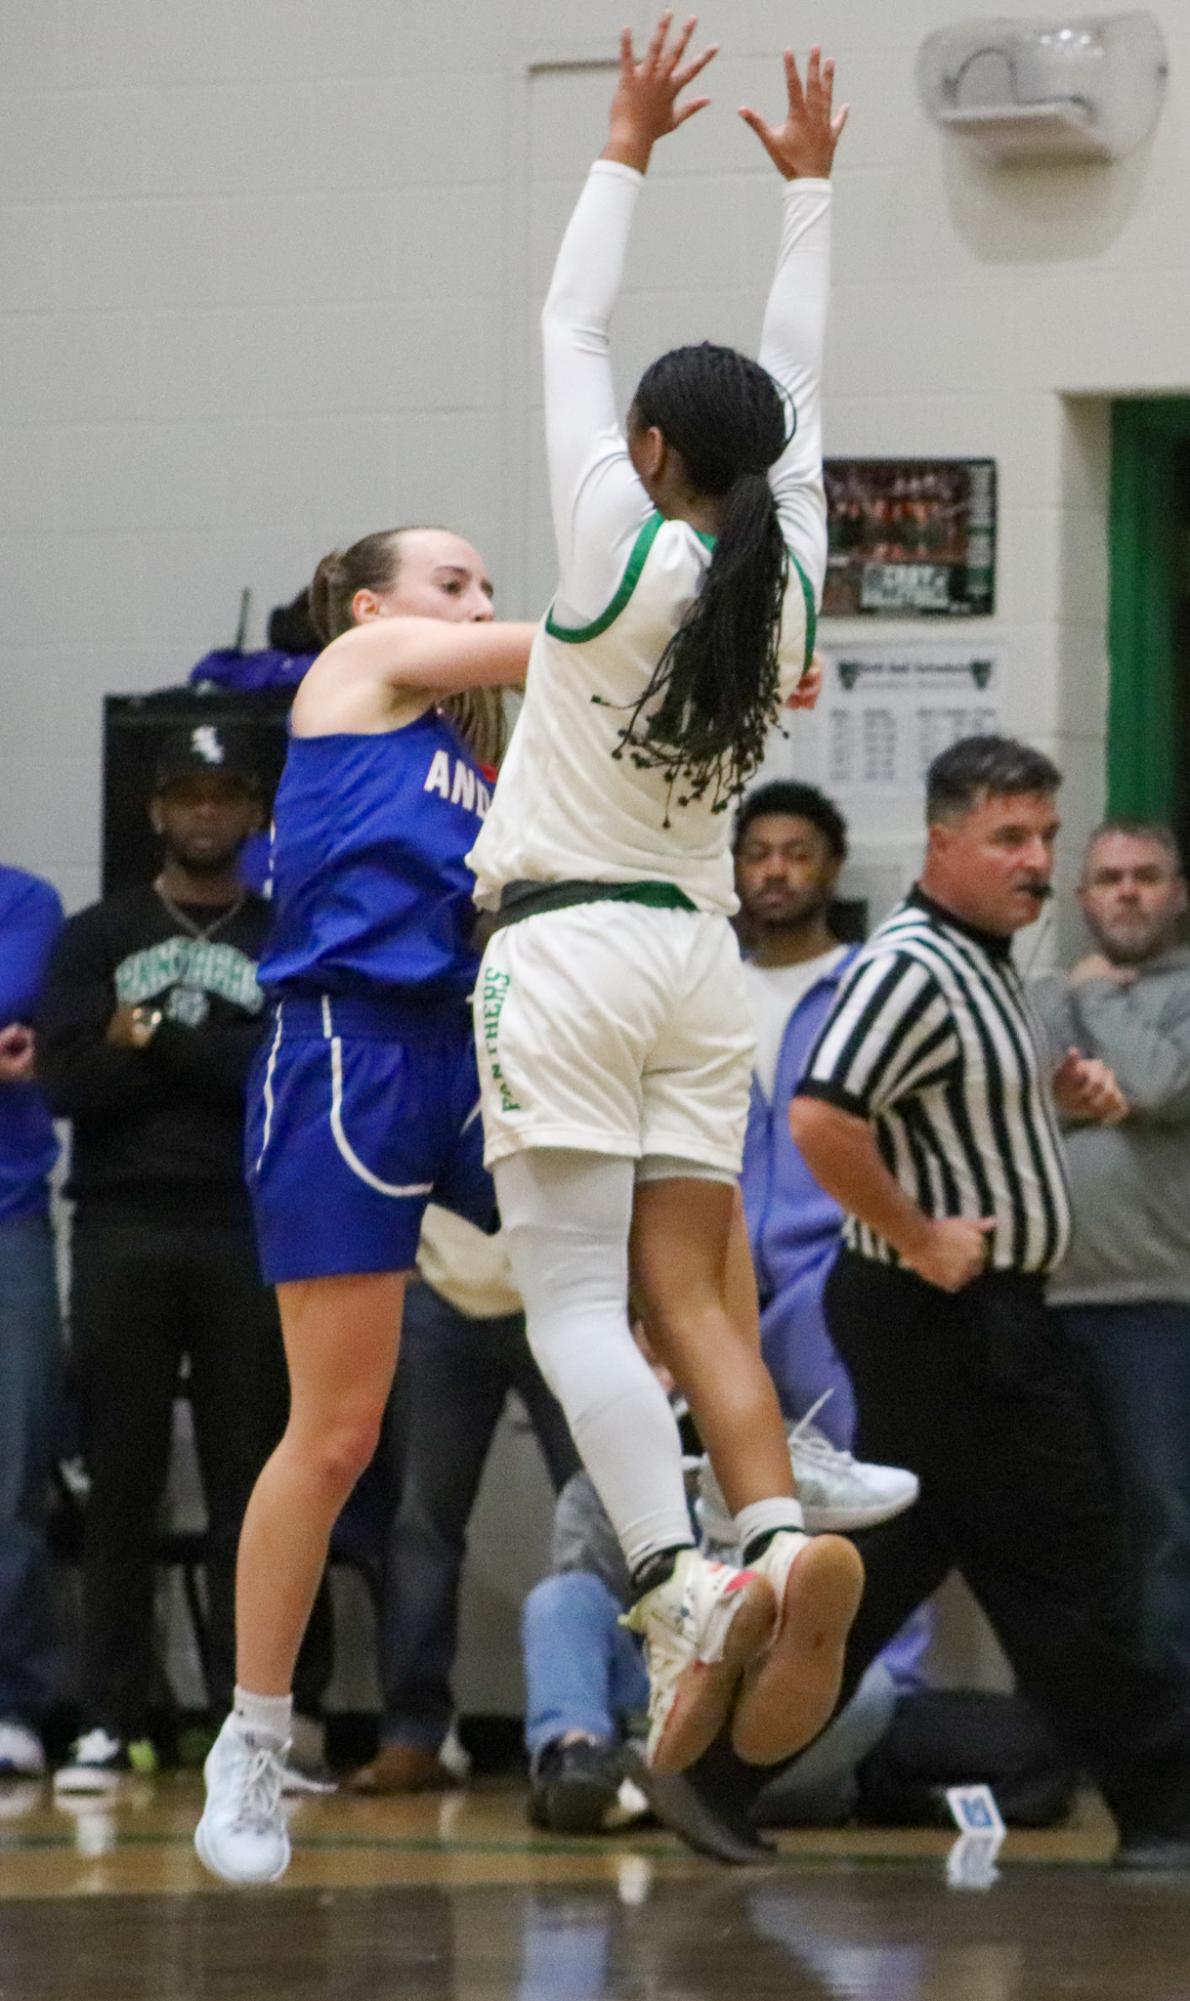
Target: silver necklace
[[202, 931]]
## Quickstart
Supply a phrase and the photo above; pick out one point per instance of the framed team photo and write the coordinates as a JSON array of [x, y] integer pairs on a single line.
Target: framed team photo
[[911, 538]]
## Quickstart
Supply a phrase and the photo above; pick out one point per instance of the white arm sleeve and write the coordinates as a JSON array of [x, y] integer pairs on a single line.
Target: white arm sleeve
[[598, 503], [791, 348]]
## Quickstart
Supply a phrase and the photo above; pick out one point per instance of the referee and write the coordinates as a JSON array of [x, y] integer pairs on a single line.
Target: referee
[[926, 1109]]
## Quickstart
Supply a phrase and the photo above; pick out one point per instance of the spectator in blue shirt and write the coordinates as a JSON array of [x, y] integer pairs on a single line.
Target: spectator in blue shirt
[[30, 1329]]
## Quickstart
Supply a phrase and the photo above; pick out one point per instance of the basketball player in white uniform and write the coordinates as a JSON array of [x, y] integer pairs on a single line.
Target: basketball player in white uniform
[[612, 1021]]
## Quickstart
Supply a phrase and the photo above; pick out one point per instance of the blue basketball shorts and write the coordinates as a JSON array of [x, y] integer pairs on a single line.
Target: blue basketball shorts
[[360, 1112]]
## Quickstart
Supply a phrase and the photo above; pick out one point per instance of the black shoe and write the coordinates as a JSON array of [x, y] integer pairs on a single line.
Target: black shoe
[[1154, 1852], [689, 1814], [575, 1789], [100, 1763]]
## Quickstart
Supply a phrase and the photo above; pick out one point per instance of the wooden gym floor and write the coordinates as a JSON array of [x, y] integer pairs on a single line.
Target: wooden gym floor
[[454, 1899]]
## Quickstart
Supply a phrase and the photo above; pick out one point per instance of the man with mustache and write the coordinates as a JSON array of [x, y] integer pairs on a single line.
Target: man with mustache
[[928, 1110]]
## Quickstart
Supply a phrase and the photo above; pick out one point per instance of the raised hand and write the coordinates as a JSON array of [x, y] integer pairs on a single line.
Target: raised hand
[[803, 148], [645, 108]]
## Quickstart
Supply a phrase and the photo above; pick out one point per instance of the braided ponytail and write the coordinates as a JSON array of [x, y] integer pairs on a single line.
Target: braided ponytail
[[705, 715]]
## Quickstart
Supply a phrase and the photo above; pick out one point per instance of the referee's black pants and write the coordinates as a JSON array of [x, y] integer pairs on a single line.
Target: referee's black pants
[[982, 1396], [979, 1393]]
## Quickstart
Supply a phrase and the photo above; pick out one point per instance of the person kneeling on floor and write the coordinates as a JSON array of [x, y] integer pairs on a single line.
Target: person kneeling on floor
[[587, 1690]]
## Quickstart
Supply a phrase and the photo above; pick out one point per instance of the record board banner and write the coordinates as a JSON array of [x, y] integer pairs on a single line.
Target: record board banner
[[911, 538], [888, 711]]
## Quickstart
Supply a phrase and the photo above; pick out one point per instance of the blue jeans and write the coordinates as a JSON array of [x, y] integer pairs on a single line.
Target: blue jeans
[[1138, 1359], [30, 1359], [453, 1380], [583, 1670]]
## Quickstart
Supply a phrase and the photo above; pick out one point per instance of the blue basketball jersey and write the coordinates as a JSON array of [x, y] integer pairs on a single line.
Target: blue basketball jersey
[[370, 887]]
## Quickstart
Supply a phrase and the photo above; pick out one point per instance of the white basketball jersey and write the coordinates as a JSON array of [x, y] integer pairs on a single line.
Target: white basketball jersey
[[571, 803]]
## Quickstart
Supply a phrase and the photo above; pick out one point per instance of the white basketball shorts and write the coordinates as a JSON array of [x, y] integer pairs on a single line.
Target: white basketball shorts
[[615, 1028]]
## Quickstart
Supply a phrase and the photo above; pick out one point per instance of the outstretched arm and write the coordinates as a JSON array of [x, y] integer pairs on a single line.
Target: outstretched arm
[[802, 149], [412, 657], [598, 502]]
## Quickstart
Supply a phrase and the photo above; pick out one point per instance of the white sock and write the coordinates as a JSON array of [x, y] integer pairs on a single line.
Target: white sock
[[763, 1517], [264, 1719], [566, 1217]]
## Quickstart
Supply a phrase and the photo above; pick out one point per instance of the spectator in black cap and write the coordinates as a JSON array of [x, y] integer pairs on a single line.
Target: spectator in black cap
[[149, 1020]]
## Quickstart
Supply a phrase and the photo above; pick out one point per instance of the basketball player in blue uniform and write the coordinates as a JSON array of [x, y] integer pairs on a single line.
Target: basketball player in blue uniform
[[364, 1105]]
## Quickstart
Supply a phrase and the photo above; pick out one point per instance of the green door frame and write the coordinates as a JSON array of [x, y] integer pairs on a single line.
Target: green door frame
[[1144, 706]]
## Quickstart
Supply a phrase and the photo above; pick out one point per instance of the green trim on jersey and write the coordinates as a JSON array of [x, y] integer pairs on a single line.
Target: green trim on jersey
[[708, 542], [811, 613], [575, 635]]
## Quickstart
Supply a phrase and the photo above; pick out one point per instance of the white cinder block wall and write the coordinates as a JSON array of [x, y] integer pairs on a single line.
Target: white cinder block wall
[[269, 271], [269, 274]]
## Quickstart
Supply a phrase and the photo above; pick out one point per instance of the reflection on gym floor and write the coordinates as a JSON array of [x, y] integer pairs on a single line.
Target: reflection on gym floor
[[457, 1898]]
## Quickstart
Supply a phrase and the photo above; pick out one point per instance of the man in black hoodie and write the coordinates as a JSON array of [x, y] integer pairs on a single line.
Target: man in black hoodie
[[150, 1019]]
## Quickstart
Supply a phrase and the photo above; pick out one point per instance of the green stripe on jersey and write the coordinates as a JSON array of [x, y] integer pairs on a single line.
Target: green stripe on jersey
[[574, 635], [811, 613]]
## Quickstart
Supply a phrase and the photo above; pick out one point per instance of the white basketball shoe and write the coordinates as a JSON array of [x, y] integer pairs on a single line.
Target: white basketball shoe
[[242, 1835], [701, 1628], [789, 1692], [837, 1491]]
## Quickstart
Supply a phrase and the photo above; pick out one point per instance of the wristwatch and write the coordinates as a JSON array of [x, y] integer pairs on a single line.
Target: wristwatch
[[145, 1023]]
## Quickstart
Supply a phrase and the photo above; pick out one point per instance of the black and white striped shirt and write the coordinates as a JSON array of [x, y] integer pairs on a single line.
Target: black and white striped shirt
[[933, 1040]]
